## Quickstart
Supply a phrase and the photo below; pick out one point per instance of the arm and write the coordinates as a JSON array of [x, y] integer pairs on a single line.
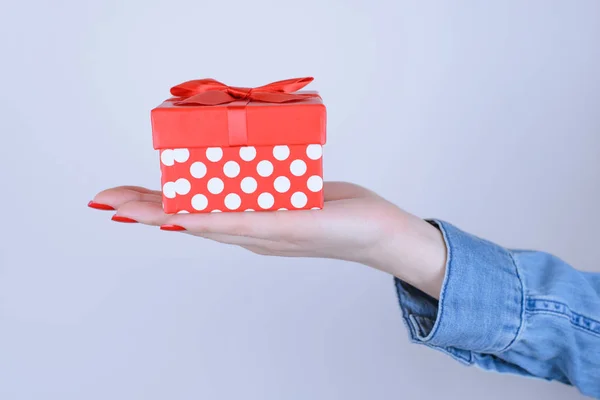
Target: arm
[[521, 312], [508, 311]]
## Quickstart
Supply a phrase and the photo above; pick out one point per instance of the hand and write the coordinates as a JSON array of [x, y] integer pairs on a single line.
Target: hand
[[355, 225]]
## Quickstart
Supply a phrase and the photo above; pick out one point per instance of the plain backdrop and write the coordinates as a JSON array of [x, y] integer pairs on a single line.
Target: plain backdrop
[[484, 114]]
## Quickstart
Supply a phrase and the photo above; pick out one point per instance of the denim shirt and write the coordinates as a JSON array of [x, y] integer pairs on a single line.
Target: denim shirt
[[514, 311]]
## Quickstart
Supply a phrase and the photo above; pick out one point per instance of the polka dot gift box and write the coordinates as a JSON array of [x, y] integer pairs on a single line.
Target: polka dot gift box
[[231, 149]]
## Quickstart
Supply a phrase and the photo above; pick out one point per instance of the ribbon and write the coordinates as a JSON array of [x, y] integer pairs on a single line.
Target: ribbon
[[209, 92]]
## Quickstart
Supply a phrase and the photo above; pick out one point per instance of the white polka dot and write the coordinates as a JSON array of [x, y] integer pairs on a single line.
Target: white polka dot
[[233, 201], [247, 153], [282, 184], [199, 202], [299, 199], [216, 211], [249, 210], [281, 152], [181, 155], [167, 157], [231, 169], [315, 183], [182, 186], [214, 154], [282, 209], [183, 212], [169, 190], [316, 208], [198, 170], [298, 167], [249, 185], [215, 186], [314, 151], [264, 168], [266, 201]]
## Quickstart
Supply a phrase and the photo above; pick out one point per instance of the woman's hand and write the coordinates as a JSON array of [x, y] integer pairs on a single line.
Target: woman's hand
[[355, 225]]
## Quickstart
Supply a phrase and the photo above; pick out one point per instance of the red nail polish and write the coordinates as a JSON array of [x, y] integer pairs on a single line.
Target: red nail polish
[[99, 206], [118, 218], [172, 228]]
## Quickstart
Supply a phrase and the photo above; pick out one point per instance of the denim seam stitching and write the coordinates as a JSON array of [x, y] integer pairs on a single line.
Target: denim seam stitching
[[558, 314], [568, 316], [523, 305]]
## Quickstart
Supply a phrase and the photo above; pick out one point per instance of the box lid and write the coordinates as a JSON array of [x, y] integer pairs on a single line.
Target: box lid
[[187, 126]]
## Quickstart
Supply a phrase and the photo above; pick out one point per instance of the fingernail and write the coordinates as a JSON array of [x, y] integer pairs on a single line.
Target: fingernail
[[173, 228], [118, 218], [99, 206]]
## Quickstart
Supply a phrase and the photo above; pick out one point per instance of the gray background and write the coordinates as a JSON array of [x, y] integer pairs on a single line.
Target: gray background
[[481, 113]]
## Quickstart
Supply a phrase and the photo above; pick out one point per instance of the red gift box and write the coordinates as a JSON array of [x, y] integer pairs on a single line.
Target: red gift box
[[225, 148]]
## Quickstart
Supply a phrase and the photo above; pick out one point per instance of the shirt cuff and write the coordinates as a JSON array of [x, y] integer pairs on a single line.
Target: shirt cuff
[[481, 302]]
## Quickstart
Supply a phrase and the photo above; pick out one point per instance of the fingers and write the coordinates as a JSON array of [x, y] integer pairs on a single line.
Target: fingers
[[116, 197], [145, 206], [231, 228], [242, 241], [258, 225], [144, 212], [258, 250], [261, 225], [140, 189]]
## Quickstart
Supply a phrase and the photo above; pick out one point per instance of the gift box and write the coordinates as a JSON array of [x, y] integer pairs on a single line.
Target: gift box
[[231, 149]]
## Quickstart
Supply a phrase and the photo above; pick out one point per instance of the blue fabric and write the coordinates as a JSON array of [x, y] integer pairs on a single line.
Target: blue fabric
[[514, 311]]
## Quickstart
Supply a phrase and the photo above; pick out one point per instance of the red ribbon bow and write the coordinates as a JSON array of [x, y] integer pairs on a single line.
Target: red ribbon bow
[[209, 92]]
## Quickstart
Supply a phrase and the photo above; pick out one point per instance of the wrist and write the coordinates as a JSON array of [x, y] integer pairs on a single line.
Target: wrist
[[415, 252]]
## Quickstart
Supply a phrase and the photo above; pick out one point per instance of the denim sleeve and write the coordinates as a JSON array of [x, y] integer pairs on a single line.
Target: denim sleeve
[[514, 311]]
